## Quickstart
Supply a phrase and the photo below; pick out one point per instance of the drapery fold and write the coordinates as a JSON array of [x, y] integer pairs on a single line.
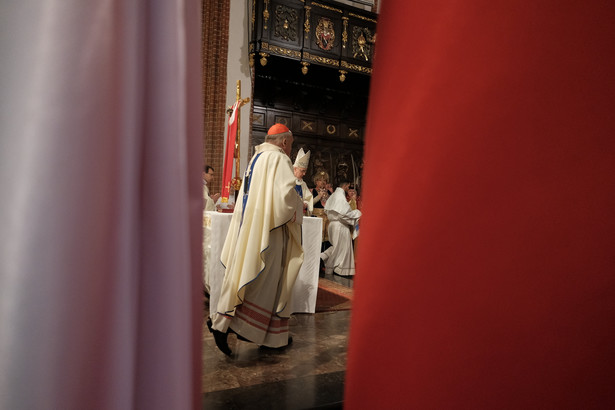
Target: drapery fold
[[100, 205], [492, 122]]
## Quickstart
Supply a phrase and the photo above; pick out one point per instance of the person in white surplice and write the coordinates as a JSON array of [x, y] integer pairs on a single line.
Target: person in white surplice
[[343, 228], [262, 253], [208, 201]]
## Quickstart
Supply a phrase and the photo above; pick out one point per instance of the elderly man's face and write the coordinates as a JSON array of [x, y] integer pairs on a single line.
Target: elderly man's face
[[299, 172]]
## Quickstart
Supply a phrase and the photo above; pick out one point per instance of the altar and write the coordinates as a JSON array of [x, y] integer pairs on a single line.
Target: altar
[[303, 300]]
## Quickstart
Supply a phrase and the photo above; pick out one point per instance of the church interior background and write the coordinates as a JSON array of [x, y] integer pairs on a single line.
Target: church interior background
[[305, 64]]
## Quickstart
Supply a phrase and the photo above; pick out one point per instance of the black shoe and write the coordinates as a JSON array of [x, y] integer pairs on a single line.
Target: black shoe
[[221, 341], [321, 273], [342, 276]]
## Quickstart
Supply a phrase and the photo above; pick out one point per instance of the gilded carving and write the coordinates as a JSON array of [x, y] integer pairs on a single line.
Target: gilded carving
[[356, 67], [343, 75], [362, 17], [352, 132], [362, 40], [304, 68], [307, 125], [263, 59], [331, 129], [284, 51], [324, 6], [266, 14], [325, 34], [319, 59], [306, 25], [285, 26], [345, 33], [258, 119]]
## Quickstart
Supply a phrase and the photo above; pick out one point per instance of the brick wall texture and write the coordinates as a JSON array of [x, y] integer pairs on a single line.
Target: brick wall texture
[[216, 16]]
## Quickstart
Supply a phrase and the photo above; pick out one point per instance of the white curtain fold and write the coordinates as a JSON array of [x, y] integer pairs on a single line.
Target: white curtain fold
[[100, 204]]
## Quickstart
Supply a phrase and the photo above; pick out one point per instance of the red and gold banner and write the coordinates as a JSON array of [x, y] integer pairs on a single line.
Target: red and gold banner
[[227, 172]]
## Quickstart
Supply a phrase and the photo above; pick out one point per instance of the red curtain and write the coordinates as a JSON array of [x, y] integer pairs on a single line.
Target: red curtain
[[486, 272]]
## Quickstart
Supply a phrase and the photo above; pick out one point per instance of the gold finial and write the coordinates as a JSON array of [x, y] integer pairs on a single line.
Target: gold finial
[[264, 59]]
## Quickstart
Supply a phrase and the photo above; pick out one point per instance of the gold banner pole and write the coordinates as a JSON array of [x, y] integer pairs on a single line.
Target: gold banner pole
[[236, 182]]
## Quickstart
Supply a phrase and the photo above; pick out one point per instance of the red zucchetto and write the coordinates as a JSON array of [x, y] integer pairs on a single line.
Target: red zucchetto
[[277, 129]]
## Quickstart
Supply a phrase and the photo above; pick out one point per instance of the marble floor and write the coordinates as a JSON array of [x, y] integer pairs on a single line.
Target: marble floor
[[309, 374]]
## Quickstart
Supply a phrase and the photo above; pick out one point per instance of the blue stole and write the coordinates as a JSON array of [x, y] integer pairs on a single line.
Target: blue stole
[[246, 187], [299, 190]]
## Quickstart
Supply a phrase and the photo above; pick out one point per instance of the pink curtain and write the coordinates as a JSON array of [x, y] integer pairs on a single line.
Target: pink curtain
[[100, 204], [490, 284]]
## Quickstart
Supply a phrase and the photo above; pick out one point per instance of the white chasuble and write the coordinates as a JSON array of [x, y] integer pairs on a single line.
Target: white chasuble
[[262, 253]]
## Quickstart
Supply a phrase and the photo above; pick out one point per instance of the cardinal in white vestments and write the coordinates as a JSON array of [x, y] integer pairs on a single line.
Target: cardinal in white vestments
[[262, 253], [299, 169], [343, 228]]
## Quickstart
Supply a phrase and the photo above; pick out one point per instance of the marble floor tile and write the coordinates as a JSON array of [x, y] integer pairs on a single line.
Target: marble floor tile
[[307, 374]]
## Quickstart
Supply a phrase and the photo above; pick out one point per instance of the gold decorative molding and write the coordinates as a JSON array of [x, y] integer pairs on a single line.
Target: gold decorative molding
[[331, 129], [265, 46], [345, 33], [363, 17], [353, 133], [284, 51], [324, 6], [266, 14], [319, 59], [306, 25], [251, 47], [356, 67]]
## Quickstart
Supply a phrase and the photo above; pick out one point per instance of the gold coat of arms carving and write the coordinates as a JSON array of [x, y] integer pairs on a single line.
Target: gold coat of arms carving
[[325, 34]]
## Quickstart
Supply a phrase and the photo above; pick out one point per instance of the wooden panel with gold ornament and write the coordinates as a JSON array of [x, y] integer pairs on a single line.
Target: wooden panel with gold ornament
[[306, 124], [287, 23], [323, 43], [358, 53]]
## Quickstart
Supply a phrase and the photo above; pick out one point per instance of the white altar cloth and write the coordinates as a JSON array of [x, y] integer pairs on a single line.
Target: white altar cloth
[[303, 299]]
